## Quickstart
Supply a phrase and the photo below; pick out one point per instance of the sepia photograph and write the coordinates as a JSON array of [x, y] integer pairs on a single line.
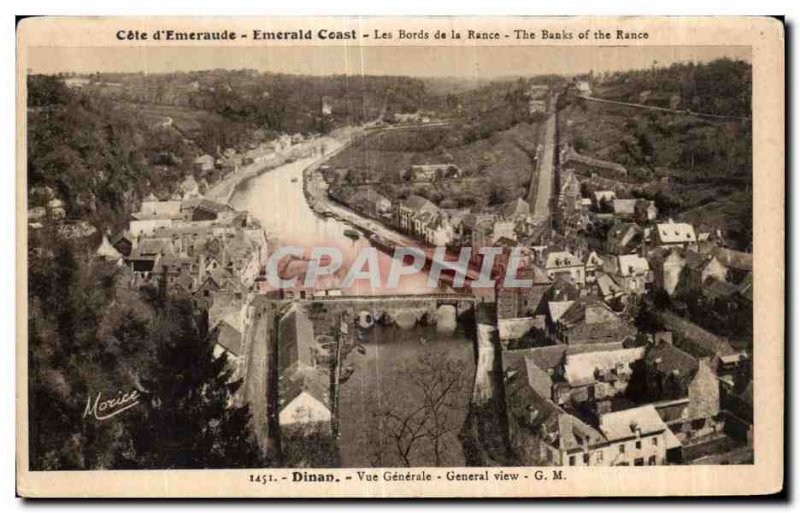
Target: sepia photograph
[[408, 262]]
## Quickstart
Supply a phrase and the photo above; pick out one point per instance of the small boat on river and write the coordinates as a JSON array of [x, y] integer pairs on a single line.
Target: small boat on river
[[352, 234]]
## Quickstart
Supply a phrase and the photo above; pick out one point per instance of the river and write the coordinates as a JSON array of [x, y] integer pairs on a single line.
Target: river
[[276, 199]]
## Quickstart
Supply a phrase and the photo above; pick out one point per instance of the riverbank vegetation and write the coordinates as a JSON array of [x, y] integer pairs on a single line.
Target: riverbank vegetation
[[91, 339]]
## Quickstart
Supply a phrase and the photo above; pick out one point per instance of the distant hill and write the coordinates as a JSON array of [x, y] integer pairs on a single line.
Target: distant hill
[[722, 86]]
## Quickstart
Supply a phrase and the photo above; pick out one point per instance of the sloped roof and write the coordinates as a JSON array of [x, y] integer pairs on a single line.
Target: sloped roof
[[301, 378], [735, 259], [420, 204], [593, 258], [695, 260], [558, 259], [229, 338], [632, 265], [547, 357], [623, 424], [666, 358], [107, 251], [575, 433], [527, 407], [296, 338], [586, 368], [676, 233], [558, 309], [368, 195], [608, 287], [588, 310], [625, 206]]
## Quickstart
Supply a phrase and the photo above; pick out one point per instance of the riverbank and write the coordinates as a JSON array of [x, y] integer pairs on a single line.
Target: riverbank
[[224, 190]]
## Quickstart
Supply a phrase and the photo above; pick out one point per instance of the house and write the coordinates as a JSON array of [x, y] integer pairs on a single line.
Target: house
[[738, 263], [204, 163], [469, 223], [229, 341], [543, 433], [719, 290], [592, 263], [611, 292], [624, 238], [123, 242], [440, 231], [569, 195], [598, 376], [303, 379], [624, 209], [370, 202], [645, 211], [584, 88], [667, 265], [603, 200], [637, 437], [108, 252], [154, 214], [304, 400], [517, 302], [631, 272], [408, 212], [431, 172], [746, 288], [588, 321], [294, 268], [563, 262], [700, 268], [672, 374], [671, 234], [189, 187]]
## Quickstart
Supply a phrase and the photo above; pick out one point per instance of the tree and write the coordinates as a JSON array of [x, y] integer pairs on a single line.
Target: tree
[[415, 429], [189, 420]]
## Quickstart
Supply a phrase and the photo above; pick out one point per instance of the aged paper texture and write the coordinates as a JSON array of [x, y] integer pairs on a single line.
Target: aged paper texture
[[400, 257]]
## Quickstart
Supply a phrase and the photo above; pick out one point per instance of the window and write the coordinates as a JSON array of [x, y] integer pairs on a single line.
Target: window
[[638, 444], [622, 448], [651, 460], [638, 462], [586, 458], [655, 441], [572, 461]]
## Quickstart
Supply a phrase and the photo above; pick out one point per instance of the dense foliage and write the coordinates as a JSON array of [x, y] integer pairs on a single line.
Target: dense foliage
[[87, 336], [723, 86], [98, 156]]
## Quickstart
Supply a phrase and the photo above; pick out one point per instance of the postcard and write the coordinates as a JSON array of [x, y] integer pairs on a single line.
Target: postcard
[[400, 257]]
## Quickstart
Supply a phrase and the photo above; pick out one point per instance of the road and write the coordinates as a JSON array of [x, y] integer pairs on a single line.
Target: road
[[685, 112], [542, 182]]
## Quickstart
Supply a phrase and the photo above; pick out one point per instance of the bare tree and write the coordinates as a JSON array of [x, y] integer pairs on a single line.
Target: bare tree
[[417, 423]]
